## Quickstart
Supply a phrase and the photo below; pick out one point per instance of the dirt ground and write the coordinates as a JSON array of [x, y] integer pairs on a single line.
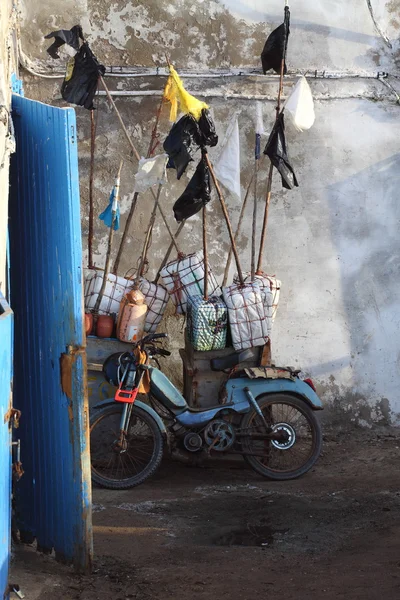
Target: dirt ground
[[224, 532]]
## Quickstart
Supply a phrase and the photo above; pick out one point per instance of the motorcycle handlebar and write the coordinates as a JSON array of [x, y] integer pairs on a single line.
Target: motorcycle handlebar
[[151, 337], [163, 352]]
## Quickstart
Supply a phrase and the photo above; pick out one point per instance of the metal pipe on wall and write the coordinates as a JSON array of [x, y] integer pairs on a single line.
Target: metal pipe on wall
[[133, 72], [127, 72], [234, 96]]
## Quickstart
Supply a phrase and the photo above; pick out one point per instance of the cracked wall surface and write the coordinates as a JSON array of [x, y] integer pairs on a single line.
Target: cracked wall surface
[[7, 66], [334, 241]]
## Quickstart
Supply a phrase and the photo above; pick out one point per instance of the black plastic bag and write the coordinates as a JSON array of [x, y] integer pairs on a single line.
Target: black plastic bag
[[81, 80], [64, 36], [181, 142], [196, 195], [207, 129], [277, 152], [276, 46], [185, 137]]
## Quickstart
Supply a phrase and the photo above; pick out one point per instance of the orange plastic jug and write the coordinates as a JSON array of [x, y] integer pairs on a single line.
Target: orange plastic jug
[[131, 317]]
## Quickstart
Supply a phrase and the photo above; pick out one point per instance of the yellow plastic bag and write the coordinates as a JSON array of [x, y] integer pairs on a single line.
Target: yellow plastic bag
[[176, 94]]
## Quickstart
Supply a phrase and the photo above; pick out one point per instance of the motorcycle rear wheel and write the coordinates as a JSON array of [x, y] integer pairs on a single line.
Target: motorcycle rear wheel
[[288, 459], [118, 470]]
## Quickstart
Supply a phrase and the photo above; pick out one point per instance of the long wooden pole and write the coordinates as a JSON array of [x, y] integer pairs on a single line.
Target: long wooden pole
[[91, 202], [137, 156], [228, 223], [150, 152], [205, 252], [126, 232], [110, 241], [166, 257], [271, 169], [238, 229], [168, 228], [147, 238], [265, 221], [257, 154], [124, 129]]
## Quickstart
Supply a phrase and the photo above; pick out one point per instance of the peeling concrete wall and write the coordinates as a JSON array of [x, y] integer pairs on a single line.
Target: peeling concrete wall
[[7, 65], [334, 241]]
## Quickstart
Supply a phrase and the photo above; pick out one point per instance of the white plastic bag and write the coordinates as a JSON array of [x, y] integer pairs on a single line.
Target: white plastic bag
[[300, 106], [227, 165], [152, 171]]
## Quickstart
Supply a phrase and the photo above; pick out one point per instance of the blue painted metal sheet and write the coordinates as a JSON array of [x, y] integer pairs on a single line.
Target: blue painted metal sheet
[[54, 495], [17, 85], [6, 327]]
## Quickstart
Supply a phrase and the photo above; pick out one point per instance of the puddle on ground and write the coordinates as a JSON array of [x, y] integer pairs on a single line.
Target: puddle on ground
[[252, 535]]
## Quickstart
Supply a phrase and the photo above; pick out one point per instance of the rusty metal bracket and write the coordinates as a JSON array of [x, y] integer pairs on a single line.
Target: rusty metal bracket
[[17, 470], [12, 417]]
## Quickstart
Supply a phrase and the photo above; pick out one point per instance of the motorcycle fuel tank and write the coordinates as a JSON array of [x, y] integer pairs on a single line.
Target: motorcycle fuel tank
[[165, 391]]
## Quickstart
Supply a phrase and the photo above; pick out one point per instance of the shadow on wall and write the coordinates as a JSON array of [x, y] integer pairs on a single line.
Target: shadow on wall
[[365, 216], [261, 16]]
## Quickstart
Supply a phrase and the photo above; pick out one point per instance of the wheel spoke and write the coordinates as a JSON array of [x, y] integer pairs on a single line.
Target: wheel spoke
[[281, 456], [107, 458]]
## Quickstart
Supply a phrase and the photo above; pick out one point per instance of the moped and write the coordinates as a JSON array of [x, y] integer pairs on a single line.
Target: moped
[[265, 414]]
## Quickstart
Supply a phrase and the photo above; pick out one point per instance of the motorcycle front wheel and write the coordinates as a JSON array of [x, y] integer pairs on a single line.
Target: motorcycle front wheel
[[118, 469], [298, 444]]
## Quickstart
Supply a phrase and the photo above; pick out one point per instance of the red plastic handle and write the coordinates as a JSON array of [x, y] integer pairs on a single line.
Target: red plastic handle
[[127, 396]]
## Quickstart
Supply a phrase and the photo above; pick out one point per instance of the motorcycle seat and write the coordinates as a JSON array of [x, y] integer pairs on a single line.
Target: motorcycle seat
[[228, 362]]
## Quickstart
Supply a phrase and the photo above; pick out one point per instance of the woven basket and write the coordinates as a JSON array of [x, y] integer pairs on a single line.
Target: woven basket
[[207, 322], [185, 277], [247, 318]]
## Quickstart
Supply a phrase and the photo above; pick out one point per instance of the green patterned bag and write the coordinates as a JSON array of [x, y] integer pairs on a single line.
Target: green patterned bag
[[207, 322]]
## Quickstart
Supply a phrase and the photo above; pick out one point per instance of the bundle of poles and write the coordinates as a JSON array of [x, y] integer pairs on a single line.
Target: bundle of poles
[[151, 149], [152, 146], [256, 268]]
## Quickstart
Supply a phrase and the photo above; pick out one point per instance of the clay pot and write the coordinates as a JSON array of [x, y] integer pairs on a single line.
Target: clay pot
[[104, 326], [88, 323]]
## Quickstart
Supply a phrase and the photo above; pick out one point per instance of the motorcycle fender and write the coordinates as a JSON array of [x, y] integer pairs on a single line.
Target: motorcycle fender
[[143, 406], [236, 394]]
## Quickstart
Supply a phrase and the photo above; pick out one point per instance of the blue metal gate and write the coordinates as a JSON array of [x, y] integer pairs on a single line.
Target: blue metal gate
[[54, 495], [6, 324]]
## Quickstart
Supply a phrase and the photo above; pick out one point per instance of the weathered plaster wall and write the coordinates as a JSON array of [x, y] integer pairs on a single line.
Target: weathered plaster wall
[[7, 64], [334, 242]]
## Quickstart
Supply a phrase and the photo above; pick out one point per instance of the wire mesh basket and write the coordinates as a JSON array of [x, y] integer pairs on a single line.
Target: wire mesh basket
[[184, 277], [247, 318], [116, 288]]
